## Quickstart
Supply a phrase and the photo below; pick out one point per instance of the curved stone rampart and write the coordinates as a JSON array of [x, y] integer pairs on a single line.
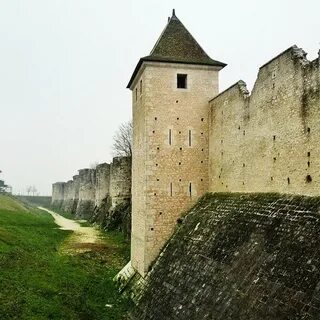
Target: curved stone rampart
[[120, 180], [102, 195], [102, 183], [86, 201], [58, 194]]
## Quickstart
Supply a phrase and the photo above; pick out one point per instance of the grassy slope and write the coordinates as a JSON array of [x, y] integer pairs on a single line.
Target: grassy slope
[[37, 282]]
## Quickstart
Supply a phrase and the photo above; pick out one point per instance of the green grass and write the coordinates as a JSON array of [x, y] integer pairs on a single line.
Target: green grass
[[38, 282]]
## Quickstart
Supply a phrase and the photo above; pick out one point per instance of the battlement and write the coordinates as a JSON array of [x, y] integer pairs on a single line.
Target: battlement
[[267, 141]]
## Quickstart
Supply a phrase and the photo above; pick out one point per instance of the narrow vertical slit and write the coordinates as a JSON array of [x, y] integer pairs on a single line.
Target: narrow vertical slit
[[170, 137], [189, 138], [171, 189], [190, 189]]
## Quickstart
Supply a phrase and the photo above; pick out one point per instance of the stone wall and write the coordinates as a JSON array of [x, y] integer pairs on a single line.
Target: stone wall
[[101, 195], [58, 194], [120, 180], [170, 151], [102, 183], [269, 141], [239, 256], [68, 201], [86, 203]]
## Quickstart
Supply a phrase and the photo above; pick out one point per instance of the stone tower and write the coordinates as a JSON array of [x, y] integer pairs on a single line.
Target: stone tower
[[171, 89]]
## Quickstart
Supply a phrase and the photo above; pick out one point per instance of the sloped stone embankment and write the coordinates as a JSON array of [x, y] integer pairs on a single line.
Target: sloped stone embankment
[[239, 256]]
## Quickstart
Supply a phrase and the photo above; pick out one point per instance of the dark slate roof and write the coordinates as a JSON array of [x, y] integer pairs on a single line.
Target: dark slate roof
[[177, 45]]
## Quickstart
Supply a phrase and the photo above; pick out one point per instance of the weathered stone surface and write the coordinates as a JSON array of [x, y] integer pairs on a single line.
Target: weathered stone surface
[[86, 201], [239, 256], [269, 141], [170, 152], [58, 194], [101, 195], [69, 203], [102, 183], [119, 218], [266, 141], [120, 180]]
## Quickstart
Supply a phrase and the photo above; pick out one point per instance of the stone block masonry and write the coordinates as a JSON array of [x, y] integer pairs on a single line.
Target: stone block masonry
[[268, 141], [86, 202], [239, 256], [120, 180], [58, 194], [102, 183], [100, 195]]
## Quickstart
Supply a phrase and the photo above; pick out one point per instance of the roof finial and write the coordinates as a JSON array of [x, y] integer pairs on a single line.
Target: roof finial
[[173, 12]]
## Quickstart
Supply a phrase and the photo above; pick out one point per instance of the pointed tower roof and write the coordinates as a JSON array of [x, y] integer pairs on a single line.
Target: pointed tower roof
[[177, 45]]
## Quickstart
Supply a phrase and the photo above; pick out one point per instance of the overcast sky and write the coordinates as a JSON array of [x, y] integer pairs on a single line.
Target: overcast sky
[[65, 64]]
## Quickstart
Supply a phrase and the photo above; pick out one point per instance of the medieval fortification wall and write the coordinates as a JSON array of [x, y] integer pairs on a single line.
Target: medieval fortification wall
[[239, 256], [269, 141], [249, 249], [95, 194]]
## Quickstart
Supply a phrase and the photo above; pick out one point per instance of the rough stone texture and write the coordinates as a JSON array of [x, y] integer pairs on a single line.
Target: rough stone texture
[[102, 183], [263, 142], [119, 218], [239, 256], [130, 283], [58, 194], [101, 195], [269, 141], [120, 180], [163, 171], [69, 204], [86, 201]]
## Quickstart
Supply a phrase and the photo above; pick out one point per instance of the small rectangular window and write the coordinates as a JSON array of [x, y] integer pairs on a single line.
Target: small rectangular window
[[181, 81], [170, 137], [190, 189], [171, 189], [140, 86], [136, 94], [190, 135]]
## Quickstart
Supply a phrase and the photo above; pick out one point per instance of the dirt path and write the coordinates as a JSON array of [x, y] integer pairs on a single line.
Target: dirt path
[[83, 239]]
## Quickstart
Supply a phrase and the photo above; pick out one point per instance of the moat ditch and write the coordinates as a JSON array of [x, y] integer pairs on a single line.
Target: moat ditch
[[49, 273]]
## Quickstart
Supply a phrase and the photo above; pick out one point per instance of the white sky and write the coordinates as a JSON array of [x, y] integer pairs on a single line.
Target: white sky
[[65, 64]]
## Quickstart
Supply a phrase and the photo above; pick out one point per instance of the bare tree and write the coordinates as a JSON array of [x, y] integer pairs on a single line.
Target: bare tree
[[94, 165], [29, 190], [122, 140], [34, 190]]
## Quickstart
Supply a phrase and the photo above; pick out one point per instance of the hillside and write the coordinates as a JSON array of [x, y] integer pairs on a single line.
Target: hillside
[[239, 256], [39, 281]]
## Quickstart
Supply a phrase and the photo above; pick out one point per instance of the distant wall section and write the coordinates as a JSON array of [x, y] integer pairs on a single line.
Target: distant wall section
[[58, 194], [99, 194]]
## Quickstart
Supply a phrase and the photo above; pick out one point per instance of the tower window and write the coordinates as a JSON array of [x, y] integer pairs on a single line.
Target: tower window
[[190, 189], [140, 86], [181, 81], [170, 137], [190, 138], [136, 94], [171, 189]]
